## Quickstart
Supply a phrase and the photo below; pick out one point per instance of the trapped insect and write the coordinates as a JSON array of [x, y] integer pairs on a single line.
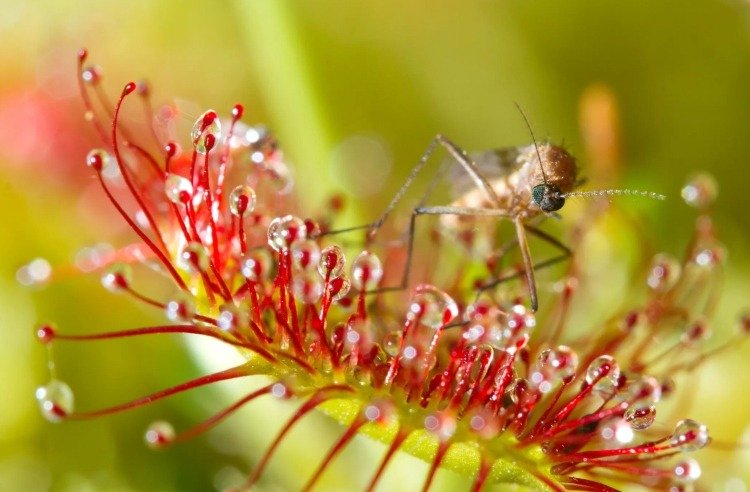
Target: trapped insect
[[514, 183]]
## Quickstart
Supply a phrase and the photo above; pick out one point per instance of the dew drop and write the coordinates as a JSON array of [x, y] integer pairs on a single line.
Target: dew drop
[[242, 200], [604, 374], [97, 159], [283, 231], [46, 333], [117, 277], [664, 272], [560, 362], [171, 149], [617, 432], [640, 417], [700, 191], [55, 400], [379, 411], [37, 272], [432, 306], [687, 471], [392, 343], [696, 333], [159, 434], [231, 317], [518, 326], [281, 390], [332, 261], [256, 266], [180, 308], [193, 258], [305, 254], [366, 271], [178, 189], [483, 423], [207, 128], [128, 89], [517, 390], [307, 288], [441, 424], [710, 257], [340, 287], [91, 74], [645, 389], [690, 435]]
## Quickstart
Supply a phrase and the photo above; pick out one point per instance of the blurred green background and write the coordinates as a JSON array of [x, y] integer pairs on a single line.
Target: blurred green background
[[318, 73]]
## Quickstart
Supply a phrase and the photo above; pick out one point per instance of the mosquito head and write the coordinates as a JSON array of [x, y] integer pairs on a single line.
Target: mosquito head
[[548, 197]]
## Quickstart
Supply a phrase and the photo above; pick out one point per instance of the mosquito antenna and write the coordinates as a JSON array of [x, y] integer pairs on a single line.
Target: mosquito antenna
[[533, 139], [611, 192]]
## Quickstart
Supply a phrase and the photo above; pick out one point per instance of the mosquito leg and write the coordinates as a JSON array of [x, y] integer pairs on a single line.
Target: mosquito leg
[[528, 266], [457, 153], [439, 210], [566, 253]]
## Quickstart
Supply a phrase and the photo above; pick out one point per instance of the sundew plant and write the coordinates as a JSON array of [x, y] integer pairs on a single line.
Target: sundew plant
[[465, 378]]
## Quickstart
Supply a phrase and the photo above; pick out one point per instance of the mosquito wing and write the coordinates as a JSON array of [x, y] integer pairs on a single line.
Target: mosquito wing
[[491, 164]]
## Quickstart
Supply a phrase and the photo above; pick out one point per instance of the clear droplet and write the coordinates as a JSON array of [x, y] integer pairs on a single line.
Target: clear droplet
[[305, 254], [281, 390], [617, 432], [640, 416], [604, 374], [332, 261], [256, 266], [307, 288], [55, 400], [283, 231], [46, 333], [710, 257], [560, 362], [91, 74], [366, 271], [690, 435], [392, 343], [700, 191], [98, 159], [231, 317], [36, 272], [645, 389], [178, 189], [117, 277], [433, 307], [441, 424], [664, 272], [379, 411], [242, 200], [696, 332], [159, 434], [519, 324], [181, 307], [193, 258], [206, 124], [483, 423], [340, 287], [687, 471]]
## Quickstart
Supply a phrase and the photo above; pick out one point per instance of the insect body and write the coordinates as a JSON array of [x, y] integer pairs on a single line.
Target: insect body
[[520, 187], [517, 184]]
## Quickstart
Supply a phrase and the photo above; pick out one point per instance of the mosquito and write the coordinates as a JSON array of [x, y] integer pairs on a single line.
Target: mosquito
[[517, 184]]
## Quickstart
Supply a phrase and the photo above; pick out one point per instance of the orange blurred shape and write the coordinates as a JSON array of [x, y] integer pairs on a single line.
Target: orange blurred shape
[[599, 119]]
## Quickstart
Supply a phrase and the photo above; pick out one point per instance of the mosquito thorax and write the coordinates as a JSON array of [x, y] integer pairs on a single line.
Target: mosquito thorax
[[548, 197]]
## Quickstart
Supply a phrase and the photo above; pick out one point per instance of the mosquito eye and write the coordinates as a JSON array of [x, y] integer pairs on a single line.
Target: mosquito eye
[[548, 197]]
